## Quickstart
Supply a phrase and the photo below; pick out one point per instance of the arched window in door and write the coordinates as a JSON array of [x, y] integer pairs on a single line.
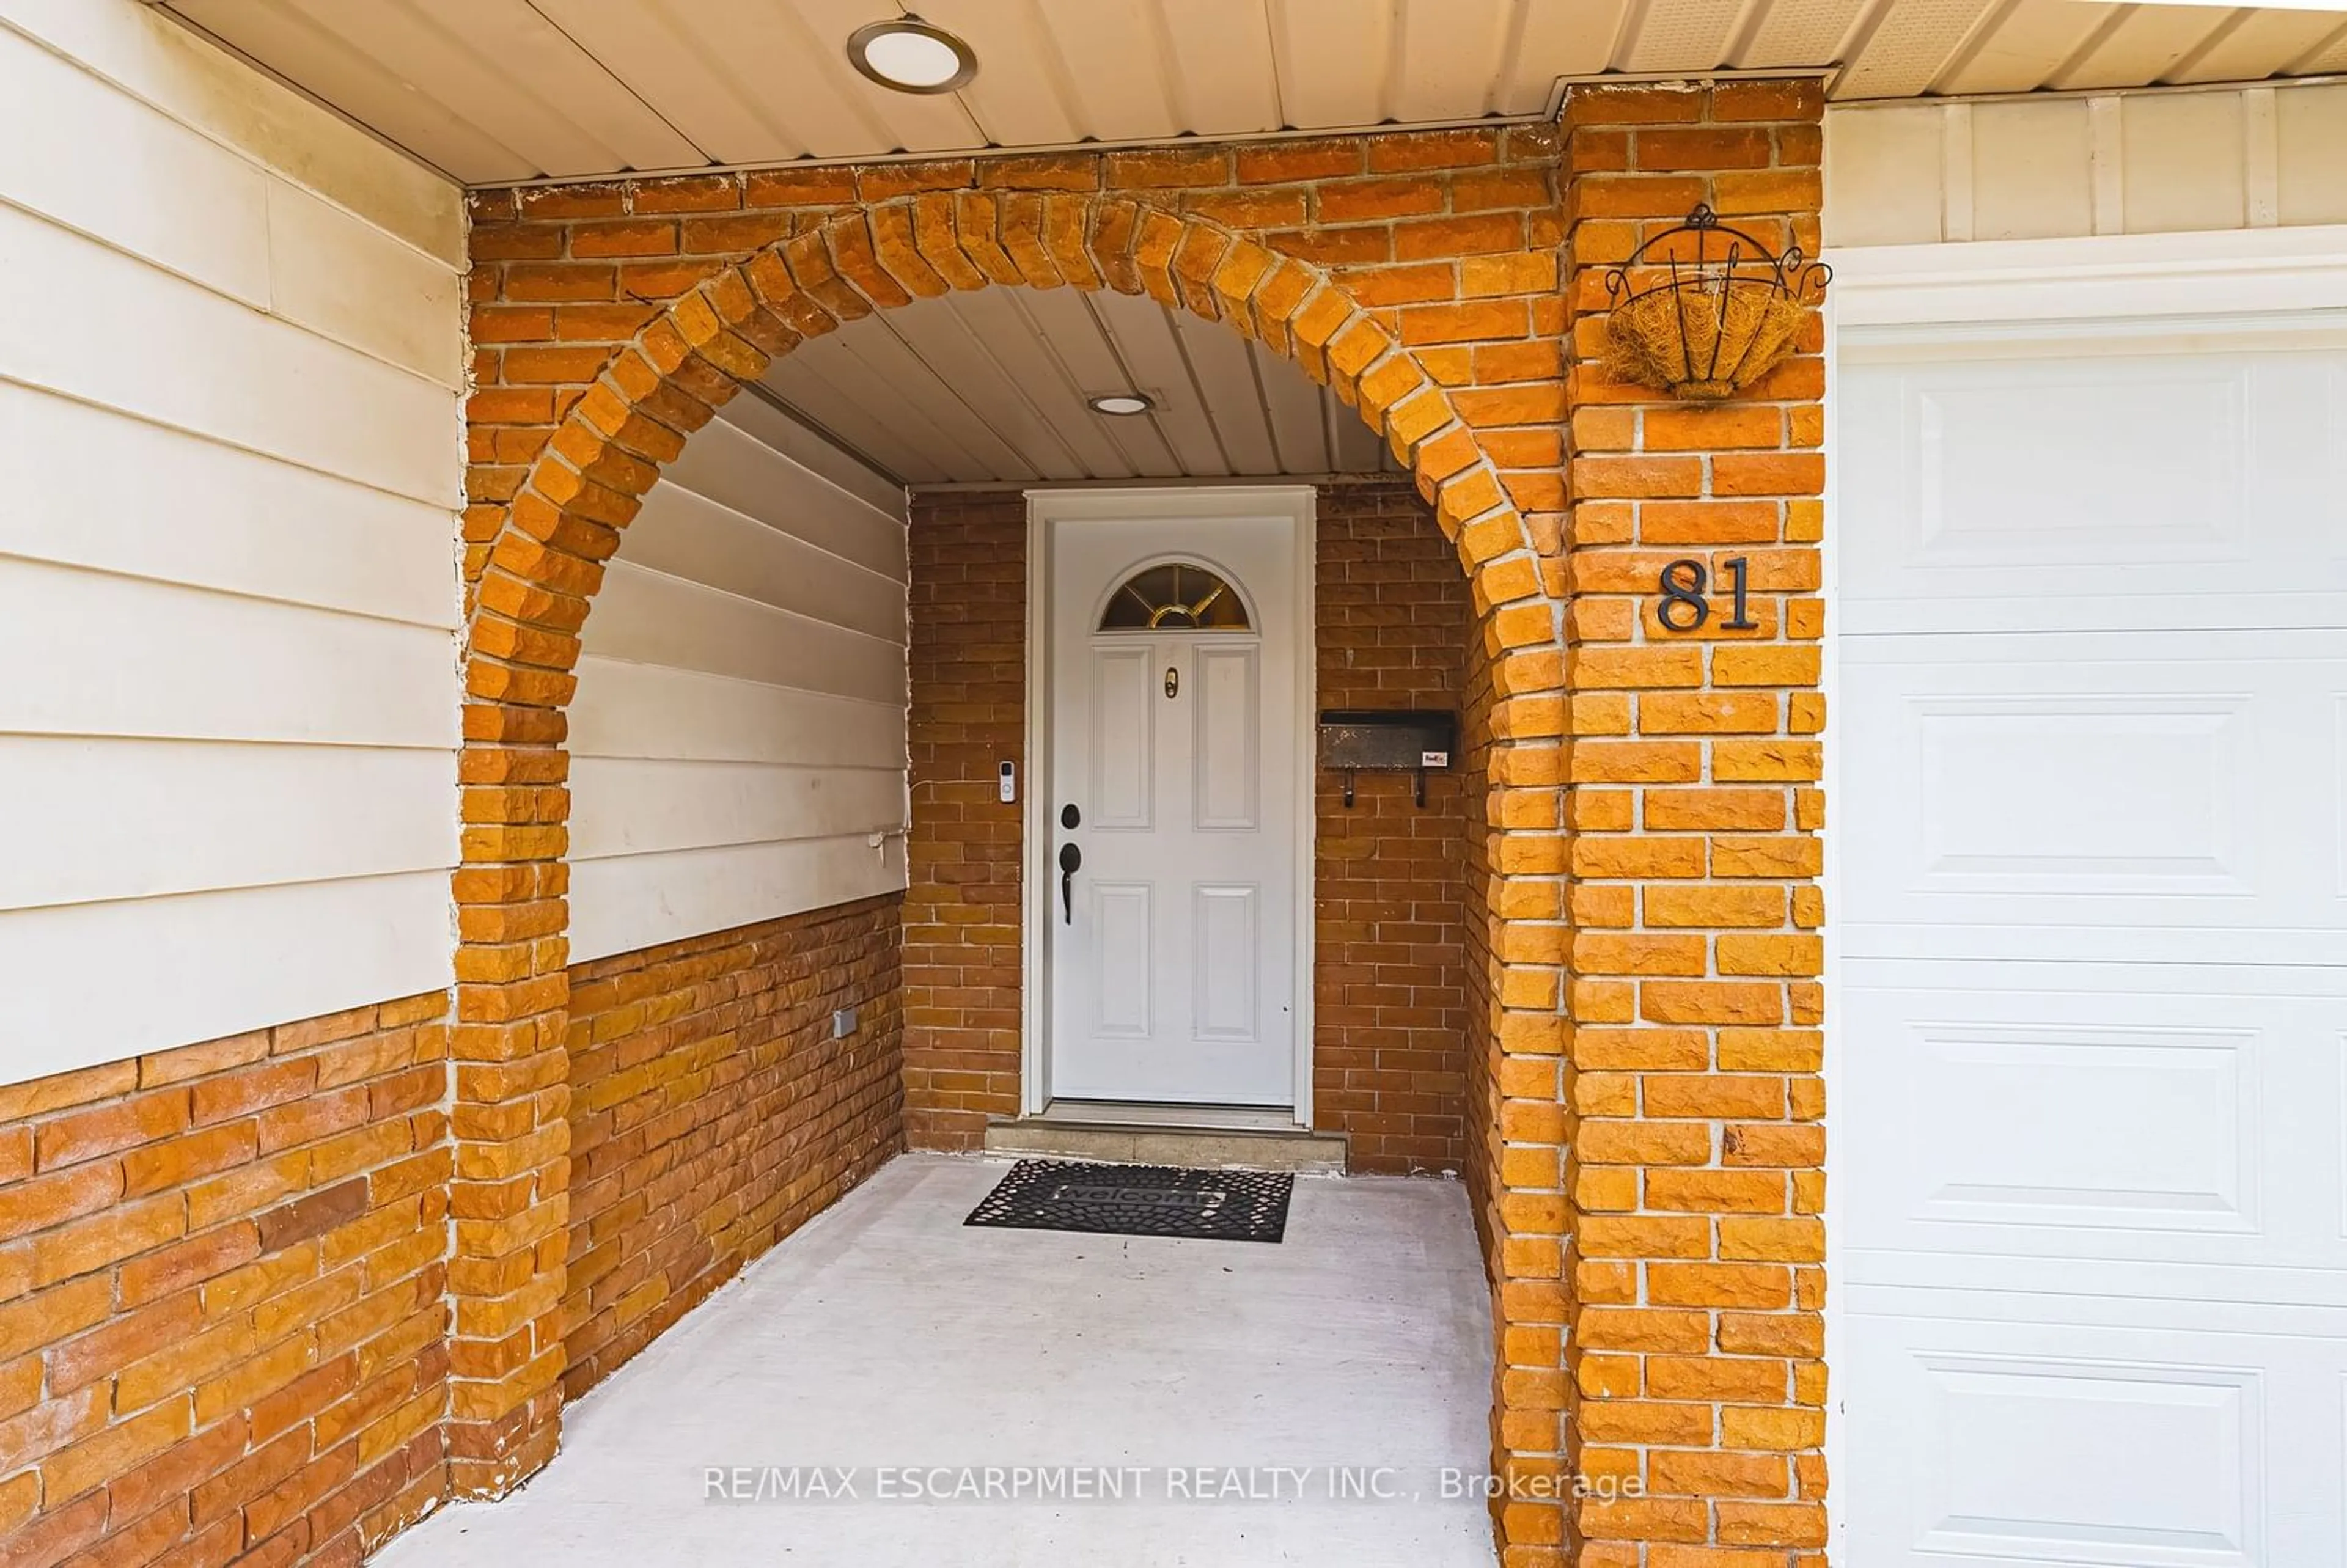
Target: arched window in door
[[1177, 596]]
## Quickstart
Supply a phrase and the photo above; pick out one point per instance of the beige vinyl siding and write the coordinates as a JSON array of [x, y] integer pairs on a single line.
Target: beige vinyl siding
[[2067, 166], [231, 449], [738, 739]]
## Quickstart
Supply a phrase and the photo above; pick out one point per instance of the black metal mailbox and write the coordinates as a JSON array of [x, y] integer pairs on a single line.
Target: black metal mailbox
[[1400, 740]]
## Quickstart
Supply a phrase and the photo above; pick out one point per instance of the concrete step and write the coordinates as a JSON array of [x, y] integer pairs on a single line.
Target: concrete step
[[1201, 1147]]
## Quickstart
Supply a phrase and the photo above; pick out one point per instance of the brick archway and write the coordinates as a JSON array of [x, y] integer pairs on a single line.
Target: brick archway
[[530, 590]]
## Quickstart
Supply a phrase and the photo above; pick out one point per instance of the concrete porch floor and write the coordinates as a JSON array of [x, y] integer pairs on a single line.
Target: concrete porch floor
[[884, 1333]]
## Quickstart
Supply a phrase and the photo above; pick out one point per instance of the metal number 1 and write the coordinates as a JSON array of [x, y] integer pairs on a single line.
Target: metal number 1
[[1739, 569]]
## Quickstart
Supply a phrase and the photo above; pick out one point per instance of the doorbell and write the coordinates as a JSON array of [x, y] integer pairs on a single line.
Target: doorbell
[[1006, 786]]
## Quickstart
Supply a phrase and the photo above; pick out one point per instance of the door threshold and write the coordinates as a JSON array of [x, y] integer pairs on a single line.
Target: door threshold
[[1167, 1114], [1203, 1137]]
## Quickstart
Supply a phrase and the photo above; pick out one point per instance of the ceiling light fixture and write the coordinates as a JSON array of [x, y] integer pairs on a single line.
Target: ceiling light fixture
[[906, 54], [1122, 403]]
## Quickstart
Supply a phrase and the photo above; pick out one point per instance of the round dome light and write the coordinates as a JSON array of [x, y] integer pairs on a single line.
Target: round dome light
[[1122, 403], [908, 54]]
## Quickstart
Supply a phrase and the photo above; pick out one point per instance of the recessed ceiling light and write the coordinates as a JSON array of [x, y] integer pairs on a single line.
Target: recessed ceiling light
[[908, 54], [1122, 403]]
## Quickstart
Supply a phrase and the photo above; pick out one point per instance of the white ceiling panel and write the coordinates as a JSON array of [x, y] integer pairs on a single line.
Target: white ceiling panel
[[1336, 60], [990, 387], [861, 414], [1298, 414], [1576, 40], [697, 85], [550, 103], [564, 93], [811, 37], [1224, 375], [1360, 450], [946, 350], [1142, 332], [2329, 57], [1026, 97], [372, 91], [1450, 56], [2147, 44], [2261, 36], [1681, 36], [1034, 372], [2025, 47], [1122, 85], [937, 408], [1793, 32], [500, 90], [1911, 42], [1219, 55], [1072, 332]]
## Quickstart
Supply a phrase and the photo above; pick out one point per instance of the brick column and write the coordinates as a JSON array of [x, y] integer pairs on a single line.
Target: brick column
[[1695, 1163], [509, 1198], [967, 663], [1513, 731]]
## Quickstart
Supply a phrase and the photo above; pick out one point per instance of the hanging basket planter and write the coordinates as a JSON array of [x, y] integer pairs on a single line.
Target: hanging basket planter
[[1702, 311]]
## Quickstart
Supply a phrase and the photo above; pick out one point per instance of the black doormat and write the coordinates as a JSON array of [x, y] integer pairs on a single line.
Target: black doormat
[[1139, 1200]]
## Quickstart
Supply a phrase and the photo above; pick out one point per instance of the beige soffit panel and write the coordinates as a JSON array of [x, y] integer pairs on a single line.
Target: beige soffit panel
[[991, 388], [503, 90]]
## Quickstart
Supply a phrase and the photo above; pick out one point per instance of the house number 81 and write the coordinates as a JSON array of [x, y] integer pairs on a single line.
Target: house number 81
[[1683, 607]]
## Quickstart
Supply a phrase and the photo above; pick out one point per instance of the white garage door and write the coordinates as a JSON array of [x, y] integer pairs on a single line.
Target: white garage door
[[2093, 739]]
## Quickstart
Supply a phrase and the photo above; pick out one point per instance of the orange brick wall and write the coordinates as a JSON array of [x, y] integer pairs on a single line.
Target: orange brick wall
[[1449, 236], [1419, 275], [1502, 1160], [969, 610], [1483, 1149], [1696, 1149], [1390, 992], [712, 1112], [223, 1310], [1416, 273]]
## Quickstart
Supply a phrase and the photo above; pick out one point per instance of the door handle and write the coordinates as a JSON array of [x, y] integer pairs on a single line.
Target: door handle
[[1071, 858]]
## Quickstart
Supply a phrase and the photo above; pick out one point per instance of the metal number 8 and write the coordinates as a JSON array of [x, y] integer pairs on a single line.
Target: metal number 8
[[1683, 607]]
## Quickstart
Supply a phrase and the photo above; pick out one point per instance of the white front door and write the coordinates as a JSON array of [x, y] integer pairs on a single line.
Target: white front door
[[1171, 854], [2093, 980]]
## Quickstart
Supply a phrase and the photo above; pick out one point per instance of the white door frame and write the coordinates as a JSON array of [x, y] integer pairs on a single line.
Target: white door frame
[[1293, 504], [1987, 291]]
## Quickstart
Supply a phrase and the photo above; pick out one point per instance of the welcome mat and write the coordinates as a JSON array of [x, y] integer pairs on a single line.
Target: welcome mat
[[1139, 1200]]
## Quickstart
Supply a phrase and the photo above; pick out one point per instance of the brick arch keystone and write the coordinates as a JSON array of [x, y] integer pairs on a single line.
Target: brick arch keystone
[[529, 598]]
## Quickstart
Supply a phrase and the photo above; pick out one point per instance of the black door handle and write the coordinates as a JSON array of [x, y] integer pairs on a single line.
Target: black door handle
[[1071, 858]]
